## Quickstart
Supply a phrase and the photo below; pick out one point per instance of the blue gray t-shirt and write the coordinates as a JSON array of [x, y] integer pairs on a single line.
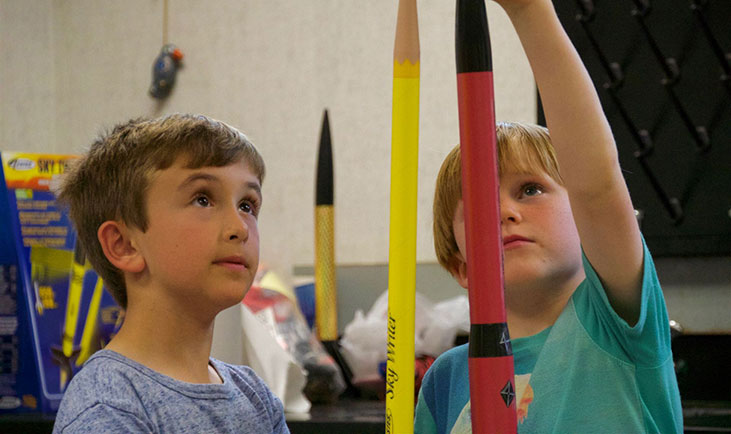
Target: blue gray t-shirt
[[115, 394]]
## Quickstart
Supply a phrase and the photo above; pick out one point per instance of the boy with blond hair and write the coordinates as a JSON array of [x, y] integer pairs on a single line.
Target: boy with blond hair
[[587, 319], [166, 211]]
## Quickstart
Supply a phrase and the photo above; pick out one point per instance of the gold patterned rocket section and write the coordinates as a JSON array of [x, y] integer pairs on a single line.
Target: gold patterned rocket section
[[326, 310], [326, 306]]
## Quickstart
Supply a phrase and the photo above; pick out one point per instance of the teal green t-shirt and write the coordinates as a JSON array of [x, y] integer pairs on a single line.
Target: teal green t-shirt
[[589, 372]]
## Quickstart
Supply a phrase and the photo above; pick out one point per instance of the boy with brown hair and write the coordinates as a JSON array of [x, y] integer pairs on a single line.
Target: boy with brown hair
[[588, 322], [166, 211]]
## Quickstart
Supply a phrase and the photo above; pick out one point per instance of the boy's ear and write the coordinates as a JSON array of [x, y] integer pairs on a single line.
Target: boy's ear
[[459, 271], [119, 247]]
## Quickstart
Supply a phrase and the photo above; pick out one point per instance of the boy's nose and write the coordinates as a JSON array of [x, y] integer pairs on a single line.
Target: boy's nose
[[508, 211], [236, 227]]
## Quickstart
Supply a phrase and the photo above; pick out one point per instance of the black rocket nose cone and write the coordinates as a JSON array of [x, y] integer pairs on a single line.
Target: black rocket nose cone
[[324, 190], [472, 41]]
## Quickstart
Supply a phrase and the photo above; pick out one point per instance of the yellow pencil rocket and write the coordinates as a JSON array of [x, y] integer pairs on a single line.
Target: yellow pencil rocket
[[326, 307], [90, 333], [402, 237], [63, 355]]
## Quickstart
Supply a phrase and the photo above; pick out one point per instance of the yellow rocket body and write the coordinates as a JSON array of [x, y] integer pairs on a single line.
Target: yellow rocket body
[[402, 249]]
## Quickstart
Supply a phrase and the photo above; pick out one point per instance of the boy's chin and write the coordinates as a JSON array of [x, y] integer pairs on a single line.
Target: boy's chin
[[521, 279], [230, 299]]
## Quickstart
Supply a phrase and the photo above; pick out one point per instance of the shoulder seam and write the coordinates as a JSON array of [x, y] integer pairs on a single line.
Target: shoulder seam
[[87, 409], [595, 343]]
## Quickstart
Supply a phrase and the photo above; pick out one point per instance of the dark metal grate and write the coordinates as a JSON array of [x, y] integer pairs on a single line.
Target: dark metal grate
[[663, 73]]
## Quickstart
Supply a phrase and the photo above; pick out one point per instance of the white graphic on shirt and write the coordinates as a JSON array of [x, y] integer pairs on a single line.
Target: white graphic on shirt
[[524, 396]]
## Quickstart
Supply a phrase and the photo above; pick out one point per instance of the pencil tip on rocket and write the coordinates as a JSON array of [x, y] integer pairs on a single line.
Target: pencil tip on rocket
[[406, 46]]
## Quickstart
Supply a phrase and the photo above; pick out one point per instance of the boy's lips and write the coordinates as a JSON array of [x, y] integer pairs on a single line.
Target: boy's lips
[[232, 262], [511, 241]]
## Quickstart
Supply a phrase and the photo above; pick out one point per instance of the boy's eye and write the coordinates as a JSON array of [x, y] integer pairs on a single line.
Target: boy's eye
[[532, 190], [249, 207], [202, 201]]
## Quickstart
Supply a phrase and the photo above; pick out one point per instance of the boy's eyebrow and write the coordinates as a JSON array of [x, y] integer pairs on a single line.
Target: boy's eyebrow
[[198, 176], [256, 187]]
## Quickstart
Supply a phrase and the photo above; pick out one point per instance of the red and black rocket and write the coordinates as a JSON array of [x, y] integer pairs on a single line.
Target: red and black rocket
[[492, 390]]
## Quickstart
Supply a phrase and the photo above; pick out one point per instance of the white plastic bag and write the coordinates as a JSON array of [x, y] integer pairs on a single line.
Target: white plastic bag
[[365, 338], [447, 319]]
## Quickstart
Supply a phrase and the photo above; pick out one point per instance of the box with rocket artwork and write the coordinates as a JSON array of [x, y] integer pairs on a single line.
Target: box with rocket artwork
[[54, 311]]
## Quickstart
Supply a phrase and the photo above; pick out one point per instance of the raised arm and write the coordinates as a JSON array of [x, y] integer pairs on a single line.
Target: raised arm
[[586, 153]]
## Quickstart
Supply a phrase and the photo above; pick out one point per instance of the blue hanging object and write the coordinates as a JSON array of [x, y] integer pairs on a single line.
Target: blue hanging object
[[164, 70]]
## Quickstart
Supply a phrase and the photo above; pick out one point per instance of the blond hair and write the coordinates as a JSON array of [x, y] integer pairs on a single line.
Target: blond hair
[[111, 180], [522, 148]]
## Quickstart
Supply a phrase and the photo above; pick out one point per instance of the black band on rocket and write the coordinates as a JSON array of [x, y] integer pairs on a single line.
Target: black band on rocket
[[490, 340]]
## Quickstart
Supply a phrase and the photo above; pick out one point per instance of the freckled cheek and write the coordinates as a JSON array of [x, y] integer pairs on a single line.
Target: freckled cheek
[[562, 212], [567, 230], [565, 220]]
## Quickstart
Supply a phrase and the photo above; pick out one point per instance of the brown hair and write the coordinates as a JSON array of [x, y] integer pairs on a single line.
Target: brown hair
[[110, 181], [522, 148]]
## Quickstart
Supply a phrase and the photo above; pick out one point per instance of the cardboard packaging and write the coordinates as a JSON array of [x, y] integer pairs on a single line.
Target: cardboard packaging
[[54, 311]]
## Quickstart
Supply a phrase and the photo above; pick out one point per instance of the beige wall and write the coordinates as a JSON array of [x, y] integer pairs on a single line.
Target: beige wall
[[70, 69]]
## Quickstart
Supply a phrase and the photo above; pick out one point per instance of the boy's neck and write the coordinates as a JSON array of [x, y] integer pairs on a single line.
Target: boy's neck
[[531, 310], [167, 341]]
